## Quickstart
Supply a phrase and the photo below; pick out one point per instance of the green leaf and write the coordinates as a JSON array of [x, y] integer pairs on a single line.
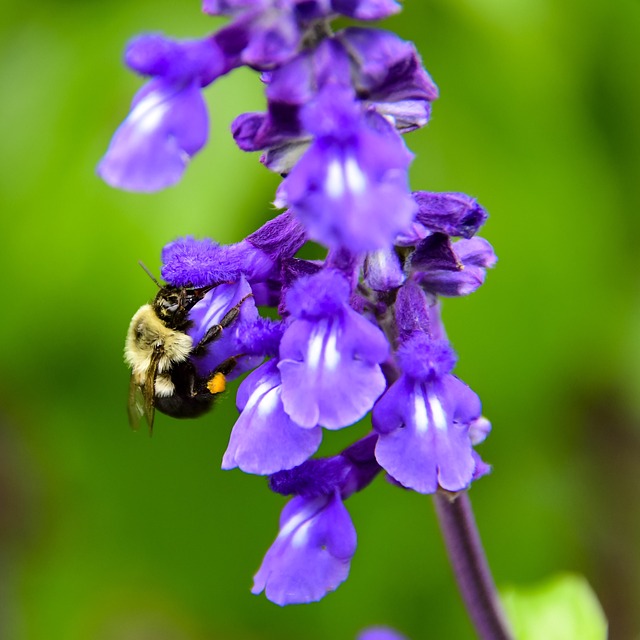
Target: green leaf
[[562, 608]]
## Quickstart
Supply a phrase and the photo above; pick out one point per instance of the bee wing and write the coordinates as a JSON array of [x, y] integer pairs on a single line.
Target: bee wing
[[136, 406], [141, 398]]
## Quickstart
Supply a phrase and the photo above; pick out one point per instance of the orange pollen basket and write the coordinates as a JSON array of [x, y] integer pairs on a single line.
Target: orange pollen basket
[[217, 384]]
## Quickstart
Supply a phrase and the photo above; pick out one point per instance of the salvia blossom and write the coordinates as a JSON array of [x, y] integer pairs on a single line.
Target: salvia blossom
[[380, 633], [356, 334]]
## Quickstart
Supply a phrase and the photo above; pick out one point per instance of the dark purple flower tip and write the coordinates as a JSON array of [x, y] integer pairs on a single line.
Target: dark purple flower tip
[[245, 128], [264, 439], [311, 554], [380, 633], [424, 438], [364, 465], [435, 253], [231, 7], [167, 125], [348, 472], [313, 478], [197, 263], [279, 238], [318, 296], [350, 188], [291, 270], [455, 214], [475, 254], [179, 61], [263, 37], [412, 310], [209, 312], [366, 9], [274, 39], [422, 358], [389, 74]]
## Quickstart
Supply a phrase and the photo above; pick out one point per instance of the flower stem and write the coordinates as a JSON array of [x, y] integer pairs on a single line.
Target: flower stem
[[470, 566]]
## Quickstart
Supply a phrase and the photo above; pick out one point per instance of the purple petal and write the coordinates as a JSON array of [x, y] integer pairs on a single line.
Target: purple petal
[[279, 238], [209, 312], [412, 309], [177, 61], [435, 253], [380, 633], [346, 185], [475, 252], [476, 255], [275, 40], [197, 263], [388, 68], [167, 125], [479, 429], [382, 270], [419, 444], [312, 553], [455, 214], [366, 9], [230, 7], [330, 371], [264, 439], [318, 296]]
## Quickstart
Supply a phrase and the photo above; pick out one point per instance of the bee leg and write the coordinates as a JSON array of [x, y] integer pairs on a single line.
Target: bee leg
[[215, 331], [226, 367], [217, 381]]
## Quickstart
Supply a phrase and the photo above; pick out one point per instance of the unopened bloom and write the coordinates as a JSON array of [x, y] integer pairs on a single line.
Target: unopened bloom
[[452, 269]]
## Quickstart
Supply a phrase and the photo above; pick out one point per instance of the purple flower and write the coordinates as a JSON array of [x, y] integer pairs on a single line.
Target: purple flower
[[388, 74], [329, 355], [209, 312], [265, 439], [289, 88], [365, 9], [455, 214], [307, 10], [382, 270], [452, 269], [380, 633], [350, 188], [262, 37], [312, 552], [168, 121], [424, 418]]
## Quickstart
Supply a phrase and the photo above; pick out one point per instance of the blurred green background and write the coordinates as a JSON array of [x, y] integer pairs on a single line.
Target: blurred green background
[[106, 534]]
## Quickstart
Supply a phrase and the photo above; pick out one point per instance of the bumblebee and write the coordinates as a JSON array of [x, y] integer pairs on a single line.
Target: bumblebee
[[159, 352]]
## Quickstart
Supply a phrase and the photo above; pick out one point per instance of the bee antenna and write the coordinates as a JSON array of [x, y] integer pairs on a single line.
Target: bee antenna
[[144, 266]]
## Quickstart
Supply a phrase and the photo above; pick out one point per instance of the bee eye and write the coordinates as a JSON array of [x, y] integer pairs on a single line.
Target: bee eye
[[171, 303]]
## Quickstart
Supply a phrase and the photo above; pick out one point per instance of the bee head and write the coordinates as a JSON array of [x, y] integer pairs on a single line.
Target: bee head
[[172, 304]]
